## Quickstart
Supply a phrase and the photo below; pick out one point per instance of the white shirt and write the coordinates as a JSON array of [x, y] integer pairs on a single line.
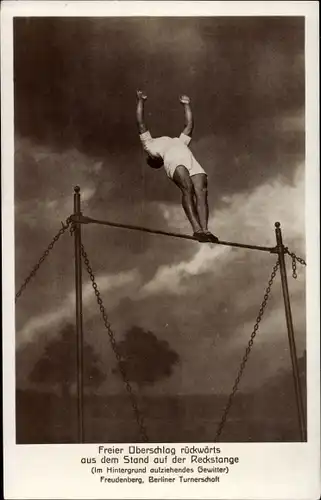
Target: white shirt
[[161, 145], [173, 150]]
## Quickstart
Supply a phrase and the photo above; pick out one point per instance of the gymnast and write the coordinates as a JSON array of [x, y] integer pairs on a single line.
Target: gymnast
[[180, 166]]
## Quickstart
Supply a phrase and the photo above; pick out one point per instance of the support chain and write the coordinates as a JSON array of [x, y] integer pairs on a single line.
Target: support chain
[[33, 272], [295, 258], [247, 351], [132, 396]]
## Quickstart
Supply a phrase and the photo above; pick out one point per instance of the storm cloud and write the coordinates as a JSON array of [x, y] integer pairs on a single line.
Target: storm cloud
[[75, 83]]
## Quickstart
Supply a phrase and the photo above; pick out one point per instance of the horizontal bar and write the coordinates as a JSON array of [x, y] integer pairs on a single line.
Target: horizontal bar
[[88, 220]]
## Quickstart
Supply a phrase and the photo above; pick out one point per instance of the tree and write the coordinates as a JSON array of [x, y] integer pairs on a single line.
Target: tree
[[145, 359], [58, 365]]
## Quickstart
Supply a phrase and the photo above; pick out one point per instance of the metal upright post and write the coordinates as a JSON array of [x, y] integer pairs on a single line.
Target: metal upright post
[[289, 322], [79, 324]]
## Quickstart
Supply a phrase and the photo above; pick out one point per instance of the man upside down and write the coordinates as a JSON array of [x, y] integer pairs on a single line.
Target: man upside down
[[180, 166]]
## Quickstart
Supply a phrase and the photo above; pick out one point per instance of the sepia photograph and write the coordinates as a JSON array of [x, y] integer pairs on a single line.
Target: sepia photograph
[[159, 192], [187, 126]]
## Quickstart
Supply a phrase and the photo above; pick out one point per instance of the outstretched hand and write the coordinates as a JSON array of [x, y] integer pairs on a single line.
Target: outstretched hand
[[141, 96], [184, 99]]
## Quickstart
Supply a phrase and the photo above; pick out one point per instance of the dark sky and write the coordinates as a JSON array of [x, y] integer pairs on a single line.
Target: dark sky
[[75, 83]]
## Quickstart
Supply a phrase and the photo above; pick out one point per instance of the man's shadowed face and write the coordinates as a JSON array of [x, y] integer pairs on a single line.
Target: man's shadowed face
[[154, 161]]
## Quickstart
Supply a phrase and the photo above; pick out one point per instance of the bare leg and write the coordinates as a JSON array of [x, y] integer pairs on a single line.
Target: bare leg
[[182, 179], [200, 188]]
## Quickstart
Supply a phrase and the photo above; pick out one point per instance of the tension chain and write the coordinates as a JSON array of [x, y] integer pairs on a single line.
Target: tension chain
[[295, 259], [132, 396], [65, 226], [247, 351]]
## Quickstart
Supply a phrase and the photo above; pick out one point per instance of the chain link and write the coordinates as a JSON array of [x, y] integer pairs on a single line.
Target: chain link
[[61, 231], [294, 273], [295, 258], [133, 399], [247, 351]]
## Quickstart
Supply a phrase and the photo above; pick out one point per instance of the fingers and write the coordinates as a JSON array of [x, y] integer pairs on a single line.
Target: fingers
[[141, 95], [184, 99]]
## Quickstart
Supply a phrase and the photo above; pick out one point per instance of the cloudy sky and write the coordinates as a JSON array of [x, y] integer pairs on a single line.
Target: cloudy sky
[[75, 83]]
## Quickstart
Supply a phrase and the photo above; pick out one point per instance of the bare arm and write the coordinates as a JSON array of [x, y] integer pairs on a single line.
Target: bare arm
[[188, 115], [141, 98]]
